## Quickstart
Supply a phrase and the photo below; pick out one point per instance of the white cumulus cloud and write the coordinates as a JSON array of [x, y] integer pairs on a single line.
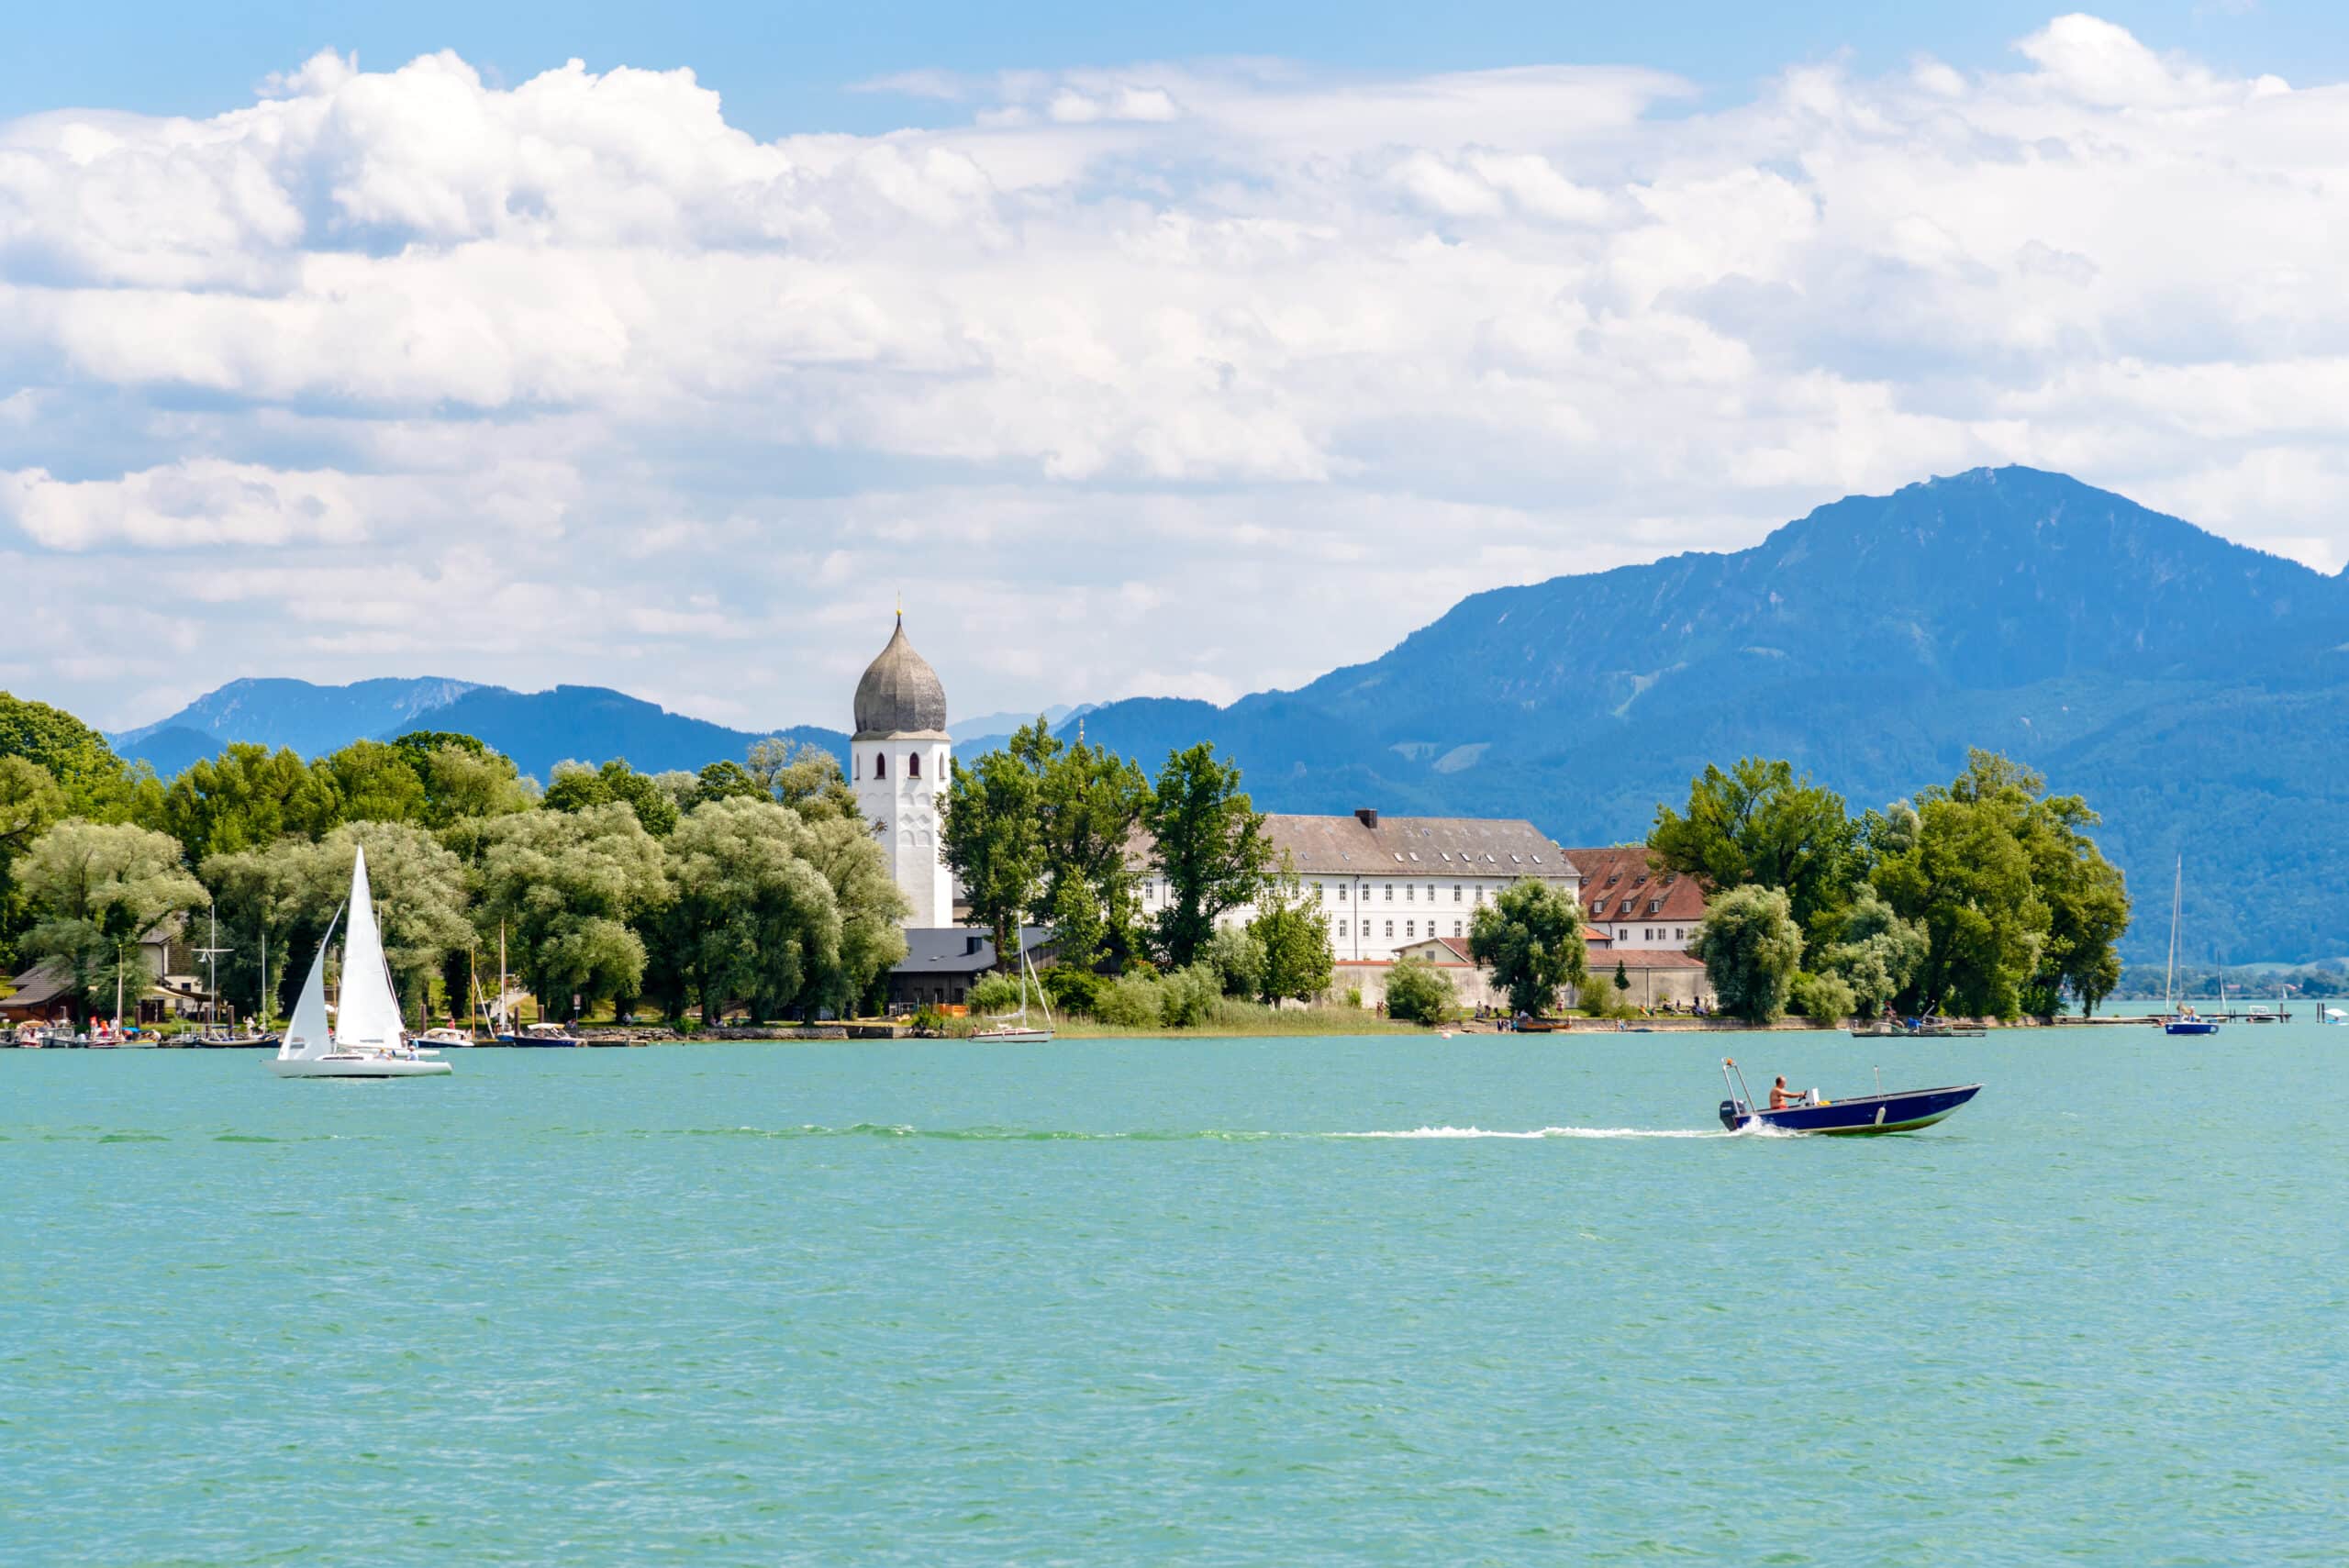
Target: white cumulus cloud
[[574, 380]]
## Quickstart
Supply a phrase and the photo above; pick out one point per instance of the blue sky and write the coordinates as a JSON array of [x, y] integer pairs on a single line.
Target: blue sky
[[1177, 351], [789, 67]]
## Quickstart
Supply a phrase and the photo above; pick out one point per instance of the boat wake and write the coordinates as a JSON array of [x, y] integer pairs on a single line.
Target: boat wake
[[1546, 1132], [1207, 1135]]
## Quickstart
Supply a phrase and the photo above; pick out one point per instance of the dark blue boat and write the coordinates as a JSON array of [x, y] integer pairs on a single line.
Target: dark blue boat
[[1903, 1111]]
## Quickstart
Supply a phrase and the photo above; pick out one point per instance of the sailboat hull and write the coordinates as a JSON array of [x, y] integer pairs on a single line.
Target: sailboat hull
[[355, 1067]]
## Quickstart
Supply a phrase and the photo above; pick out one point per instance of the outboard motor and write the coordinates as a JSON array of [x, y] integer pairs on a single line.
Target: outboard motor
[[1729, 1117]]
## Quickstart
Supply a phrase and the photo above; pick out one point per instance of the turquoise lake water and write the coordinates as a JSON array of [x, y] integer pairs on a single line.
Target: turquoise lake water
[[1149, 1301]]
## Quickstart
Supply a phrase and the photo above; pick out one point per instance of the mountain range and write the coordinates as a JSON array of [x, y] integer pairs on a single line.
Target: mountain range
[[537, 729], [2192, 688]]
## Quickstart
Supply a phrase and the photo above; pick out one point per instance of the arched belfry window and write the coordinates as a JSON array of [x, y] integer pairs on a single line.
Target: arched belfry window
[[913, 764], [880, 765]]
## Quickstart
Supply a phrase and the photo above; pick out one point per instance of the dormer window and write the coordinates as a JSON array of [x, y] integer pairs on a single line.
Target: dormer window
[[1613, 877]]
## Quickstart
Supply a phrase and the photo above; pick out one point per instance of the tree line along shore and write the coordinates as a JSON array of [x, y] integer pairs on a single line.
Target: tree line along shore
[[753, 890]]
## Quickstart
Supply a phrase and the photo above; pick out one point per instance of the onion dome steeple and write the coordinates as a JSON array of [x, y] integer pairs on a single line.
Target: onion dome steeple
[[900, 693]]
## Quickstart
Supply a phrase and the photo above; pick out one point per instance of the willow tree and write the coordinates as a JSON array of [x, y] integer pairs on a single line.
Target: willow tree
[[566, 887], [94, 890], [1752, 950]]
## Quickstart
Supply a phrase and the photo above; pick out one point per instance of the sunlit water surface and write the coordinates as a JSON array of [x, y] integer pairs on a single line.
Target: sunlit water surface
[[1165, 1301]]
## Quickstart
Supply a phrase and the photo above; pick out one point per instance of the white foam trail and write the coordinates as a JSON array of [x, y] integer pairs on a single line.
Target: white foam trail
[[1543, 1132]]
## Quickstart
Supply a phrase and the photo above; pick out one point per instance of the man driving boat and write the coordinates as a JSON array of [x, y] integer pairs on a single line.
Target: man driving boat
[[1781, 1096]]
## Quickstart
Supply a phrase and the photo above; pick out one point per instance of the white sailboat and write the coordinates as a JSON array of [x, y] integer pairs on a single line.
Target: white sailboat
[[368, 1039], [2177, 1019], [1013, 1029]]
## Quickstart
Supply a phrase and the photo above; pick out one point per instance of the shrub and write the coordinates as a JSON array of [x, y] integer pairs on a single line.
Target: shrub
[[1131, 1001], [928, 1022], [996, 994], [1236, 959], [1073, 990], [1187, 998], [1825, 998], [1420, 993]]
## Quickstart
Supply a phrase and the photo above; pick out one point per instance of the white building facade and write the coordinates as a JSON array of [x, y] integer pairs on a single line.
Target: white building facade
[[898, 759], [1391, 884]]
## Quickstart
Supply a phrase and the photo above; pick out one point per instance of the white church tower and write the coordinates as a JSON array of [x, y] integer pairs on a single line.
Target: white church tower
[[897, 766]]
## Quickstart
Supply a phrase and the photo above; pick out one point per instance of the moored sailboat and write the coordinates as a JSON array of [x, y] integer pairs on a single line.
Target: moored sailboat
[[368, 1039], [2178, 1019], [1013, 1029]]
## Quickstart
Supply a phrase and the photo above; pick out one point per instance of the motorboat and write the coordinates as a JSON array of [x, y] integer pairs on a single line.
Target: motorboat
[[1903, 1111], [367, 1039], [541, 1035], [445, 1039]]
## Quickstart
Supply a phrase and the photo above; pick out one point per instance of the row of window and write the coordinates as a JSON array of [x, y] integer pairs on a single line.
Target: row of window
[[1154, 888], [1410, 929]]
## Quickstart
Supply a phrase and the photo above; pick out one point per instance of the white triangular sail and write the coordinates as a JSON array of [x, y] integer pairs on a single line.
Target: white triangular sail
[[370, 1015], [306, 1036]]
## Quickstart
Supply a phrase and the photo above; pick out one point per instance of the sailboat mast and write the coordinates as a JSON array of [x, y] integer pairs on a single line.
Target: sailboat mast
[[2177, 902], [265, 980]]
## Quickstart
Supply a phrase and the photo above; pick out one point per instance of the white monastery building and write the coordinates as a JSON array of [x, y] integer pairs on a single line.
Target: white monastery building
[[897, 764], [1388, 883]]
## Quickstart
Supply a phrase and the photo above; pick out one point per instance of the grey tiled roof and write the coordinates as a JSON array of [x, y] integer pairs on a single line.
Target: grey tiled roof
[[1415, 846], [957, 950]]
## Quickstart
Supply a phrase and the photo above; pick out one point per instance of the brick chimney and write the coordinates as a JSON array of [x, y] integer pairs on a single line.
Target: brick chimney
[[1367, 814]]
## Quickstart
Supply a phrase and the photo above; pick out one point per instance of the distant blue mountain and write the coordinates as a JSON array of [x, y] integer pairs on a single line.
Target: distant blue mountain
[[310, 718], [2193, 689], [592, 724], [537, 729]]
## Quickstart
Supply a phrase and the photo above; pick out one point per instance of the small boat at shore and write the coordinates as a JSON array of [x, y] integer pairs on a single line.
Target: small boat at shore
[[1013, 1029], [1902, 1111], [2177, 1019], [539, 1035], [1918, 1029]]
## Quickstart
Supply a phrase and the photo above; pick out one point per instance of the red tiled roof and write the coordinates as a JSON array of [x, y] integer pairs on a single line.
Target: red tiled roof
[[1611, 877]]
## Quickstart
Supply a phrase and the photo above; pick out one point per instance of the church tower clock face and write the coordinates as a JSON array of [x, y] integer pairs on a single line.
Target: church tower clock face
[[899, 753]]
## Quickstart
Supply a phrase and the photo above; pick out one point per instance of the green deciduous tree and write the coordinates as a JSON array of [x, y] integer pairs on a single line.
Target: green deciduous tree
[[1530, 937], [96, 782], [1757, 825], [804, 777], [575, 786], [462, 777], [29, 802], [567, 886], [753, 920], [95, 889], [992, 840], [1089, 804], [1968, 881], [1293, 933], [1823, 998], [247, 798], [374, 781], [1236, 959], [1751, 950], [1209, 845], [1872, 950], [1420, 993]]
